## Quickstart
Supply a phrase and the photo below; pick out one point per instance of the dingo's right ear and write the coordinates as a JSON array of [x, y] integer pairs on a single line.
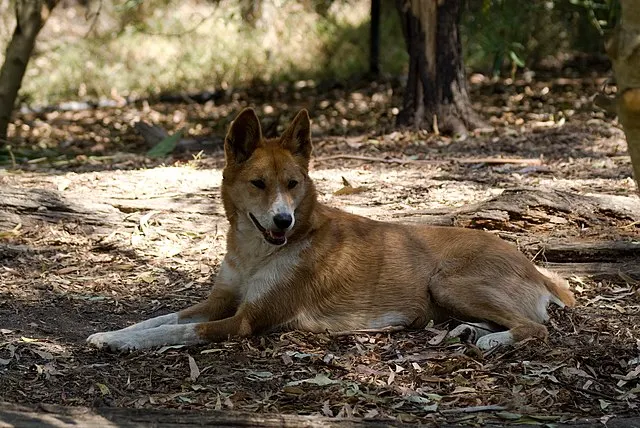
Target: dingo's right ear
[[243, 137]]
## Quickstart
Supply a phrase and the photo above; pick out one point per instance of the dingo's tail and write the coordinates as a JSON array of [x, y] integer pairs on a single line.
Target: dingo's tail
[[558, 287]]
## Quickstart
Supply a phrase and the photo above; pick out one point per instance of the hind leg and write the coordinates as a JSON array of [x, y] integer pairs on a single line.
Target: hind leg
[[498, 302], [513, 335], [471, 331]]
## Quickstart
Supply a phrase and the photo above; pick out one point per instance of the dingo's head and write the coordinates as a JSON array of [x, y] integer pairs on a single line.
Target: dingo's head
[[265, 182]]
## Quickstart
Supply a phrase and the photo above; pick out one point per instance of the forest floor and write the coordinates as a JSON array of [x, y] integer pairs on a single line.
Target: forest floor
[[95, 236]]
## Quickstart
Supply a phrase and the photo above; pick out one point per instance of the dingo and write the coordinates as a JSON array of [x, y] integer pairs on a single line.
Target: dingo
[[294, 263]]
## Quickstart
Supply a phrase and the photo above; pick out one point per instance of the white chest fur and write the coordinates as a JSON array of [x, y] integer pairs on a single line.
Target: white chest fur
[[258, 269]]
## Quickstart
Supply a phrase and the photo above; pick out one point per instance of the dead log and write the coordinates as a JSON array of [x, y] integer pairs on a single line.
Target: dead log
[[516, 207], [597, 270], [200, 204], [601, 251], [492, 161], [47, 415], [82, 417], [20, 206]]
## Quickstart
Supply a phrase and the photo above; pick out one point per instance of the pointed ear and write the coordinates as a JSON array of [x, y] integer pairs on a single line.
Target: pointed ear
[[297, 137], [243, 137]]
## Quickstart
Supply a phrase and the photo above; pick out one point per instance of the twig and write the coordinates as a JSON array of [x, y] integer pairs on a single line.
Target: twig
[[203, 19], [362, 158], [96, 15], [538, 253], [389, 329], [474, 409], [518, 161], [9, 151], [588, 391]]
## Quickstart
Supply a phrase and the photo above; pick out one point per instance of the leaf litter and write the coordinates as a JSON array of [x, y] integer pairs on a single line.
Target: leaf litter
[[61, 282]]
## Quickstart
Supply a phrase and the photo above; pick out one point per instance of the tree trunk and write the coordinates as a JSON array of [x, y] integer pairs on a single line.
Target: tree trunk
[[624, 50], [30, 18], [436, 97], [374, 39]]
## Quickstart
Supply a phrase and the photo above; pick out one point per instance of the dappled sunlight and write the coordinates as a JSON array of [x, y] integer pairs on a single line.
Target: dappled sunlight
[[111, 213], [136, 51]]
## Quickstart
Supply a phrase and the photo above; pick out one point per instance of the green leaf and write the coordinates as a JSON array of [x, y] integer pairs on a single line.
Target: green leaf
[[516, 59], [104, 389], [166, 146]]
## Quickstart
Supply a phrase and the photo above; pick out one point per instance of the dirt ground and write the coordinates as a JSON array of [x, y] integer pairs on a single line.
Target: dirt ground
[[127, 238]]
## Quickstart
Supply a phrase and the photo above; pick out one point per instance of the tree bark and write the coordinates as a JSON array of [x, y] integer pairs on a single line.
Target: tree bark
[[48, 415], [436, 97], [31, 16], [624, 50], [374, 39]]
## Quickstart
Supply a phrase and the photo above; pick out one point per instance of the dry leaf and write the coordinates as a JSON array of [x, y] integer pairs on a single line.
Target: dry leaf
[[295, 390], [391, 378], [463, 390], [211, 351], [326, 410], [371, 414], [166, 348], [320, 380], [43, 354], [147, 277], [438, 338], [348, 190], [194, 371], [287, 359]]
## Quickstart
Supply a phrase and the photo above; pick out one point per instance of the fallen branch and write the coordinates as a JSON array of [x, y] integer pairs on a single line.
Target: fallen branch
[[495, 161]]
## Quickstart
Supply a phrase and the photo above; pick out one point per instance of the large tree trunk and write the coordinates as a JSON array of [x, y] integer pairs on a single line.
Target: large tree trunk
[[624, 50], [374, 40], [436, 96], [30, 18]]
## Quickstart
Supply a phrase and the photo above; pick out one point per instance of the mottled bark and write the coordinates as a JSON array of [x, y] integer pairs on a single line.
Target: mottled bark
[[374, 39], [436, 96], [31, 16], [624, 50]]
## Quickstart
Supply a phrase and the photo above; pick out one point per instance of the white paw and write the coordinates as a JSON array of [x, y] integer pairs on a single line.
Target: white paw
[[114, 340], [465, 332], [502, 338]]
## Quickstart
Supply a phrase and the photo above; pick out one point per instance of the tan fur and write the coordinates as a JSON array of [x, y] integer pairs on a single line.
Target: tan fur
[[338, 271]]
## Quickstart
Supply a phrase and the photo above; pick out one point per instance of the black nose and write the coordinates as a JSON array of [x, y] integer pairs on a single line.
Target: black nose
[[282, 220]]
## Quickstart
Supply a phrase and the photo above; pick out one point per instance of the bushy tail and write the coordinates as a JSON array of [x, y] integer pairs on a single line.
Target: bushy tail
[[558, 287]]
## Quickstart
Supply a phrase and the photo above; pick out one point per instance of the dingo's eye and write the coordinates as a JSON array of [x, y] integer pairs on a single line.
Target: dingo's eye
[[292, 184], [259, 184]]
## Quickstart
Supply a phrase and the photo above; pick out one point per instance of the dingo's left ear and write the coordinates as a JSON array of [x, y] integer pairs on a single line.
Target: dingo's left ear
[[297, 137], [243, 137]]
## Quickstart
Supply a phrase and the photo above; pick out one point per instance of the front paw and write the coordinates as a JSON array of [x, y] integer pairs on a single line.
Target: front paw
[[113, 340]]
